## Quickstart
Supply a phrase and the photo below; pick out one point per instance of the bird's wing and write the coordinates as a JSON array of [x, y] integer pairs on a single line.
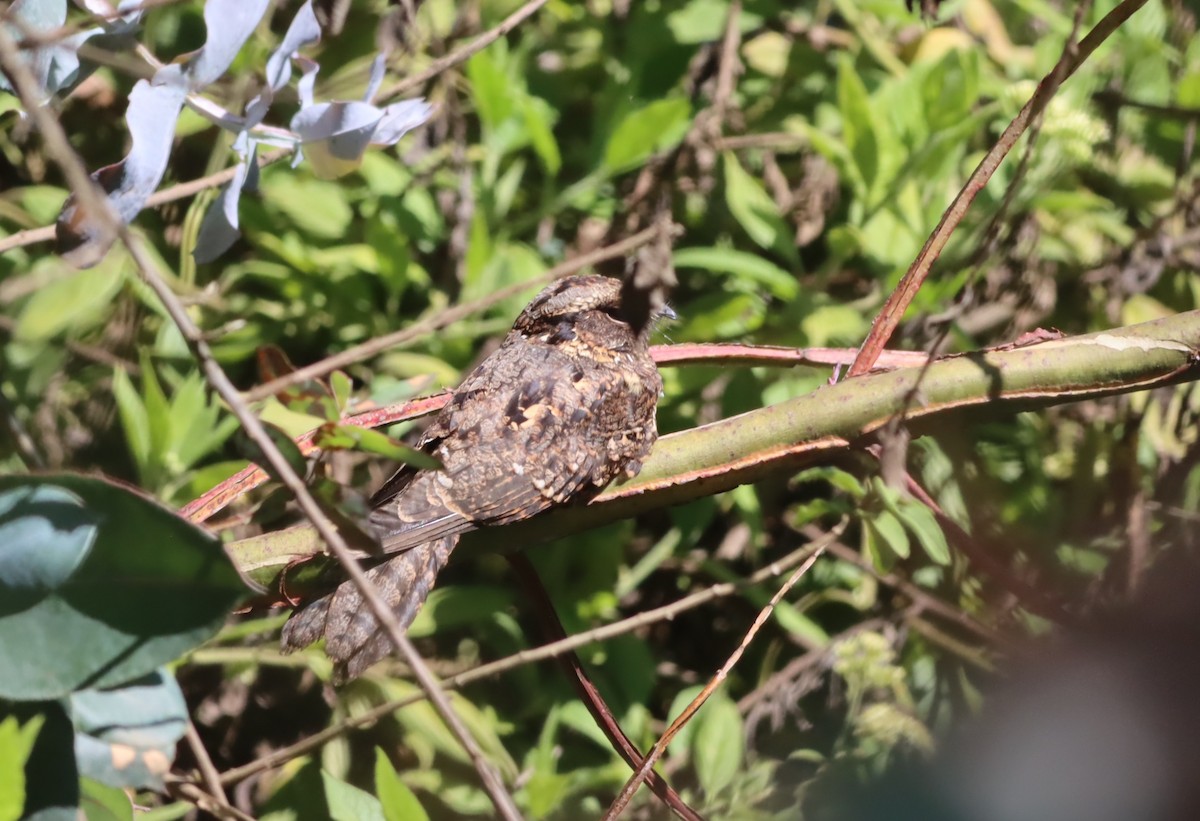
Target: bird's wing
[[507, 455]]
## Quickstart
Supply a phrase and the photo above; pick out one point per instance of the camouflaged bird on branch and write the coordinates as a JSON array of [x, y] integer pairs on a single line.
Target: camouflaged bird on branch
[[562, 408]]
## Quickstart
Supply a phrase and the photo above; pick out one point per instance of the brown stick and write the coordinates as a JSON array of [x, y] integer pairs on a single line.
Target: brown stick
[[573, 667]]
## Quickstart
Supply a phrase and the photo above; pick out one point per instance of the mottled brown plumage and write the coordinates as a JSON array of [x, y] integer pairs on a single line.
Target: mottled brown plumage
[[562, 408]]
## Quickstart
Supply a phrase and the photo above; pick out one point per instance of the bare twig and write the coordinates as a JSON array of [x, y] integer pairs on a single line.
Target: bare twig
[[208, 772], [622, 801], [893, 310], [175, 192], [463, 53], [193, 794], [730, 41], [97, 209]]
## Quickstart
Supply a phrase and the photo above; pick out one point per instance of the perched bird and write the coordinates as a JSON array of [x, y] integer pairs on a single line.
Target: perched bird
[[563, 407]]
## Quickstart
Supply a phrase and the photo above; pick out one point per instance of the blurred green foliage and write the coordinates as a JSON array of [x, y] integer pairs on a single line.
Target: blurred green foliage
[[849, 127]]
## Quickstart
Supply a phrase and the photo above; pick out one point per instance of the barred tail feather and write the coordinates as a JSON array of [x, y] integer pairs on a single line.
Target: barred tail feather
[[354, 639]]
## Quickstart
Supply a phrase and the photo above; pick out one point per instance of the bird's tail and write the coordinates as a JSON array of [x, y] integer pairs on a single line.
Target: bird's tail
[[354, 639]]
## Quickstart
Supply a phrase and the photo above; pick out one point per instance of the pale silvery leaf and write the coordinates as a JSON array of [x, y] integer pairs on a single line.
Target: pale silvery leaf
[[153, 109], [303, 31], [229, 23]]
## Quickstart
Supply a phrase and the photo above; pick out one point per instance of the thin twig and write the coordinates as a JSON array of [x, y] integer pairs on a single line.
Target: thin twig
[[893, 310], [730, 40], [446, 317], [463, 53], [175, 192], [524, 657], [193, 794], [97, 209], [208, 772], [622, 801], [991, 234]]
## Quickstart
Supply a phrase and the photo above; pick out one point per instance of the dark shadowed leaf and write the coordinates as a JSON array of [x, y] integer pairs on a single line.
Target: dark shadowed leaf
[[99, 586], [282, 441]]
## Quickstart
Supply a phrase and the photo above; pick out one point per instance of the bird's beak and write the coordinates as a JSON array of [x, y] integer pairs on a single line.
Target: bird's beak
[[666, 312]]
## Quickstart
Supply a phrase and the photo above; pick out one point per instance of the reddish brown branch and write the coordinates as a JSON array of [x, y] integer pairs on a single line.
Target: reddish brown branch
[[893, 310], [569, 661]]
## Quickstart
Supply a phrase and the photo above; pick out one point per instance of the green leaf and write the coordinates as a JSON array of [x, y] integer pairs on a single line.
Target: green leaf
[[646, 131], [846, 482], [924, 525], [16, 744], [158, 409], [126, 736], [398, 801], [74, 302], [136, 425], [832, 324], [51, 781], [719, 743], [317, 207], [459, 606], [755, 211], [721, 316], [889, 532], [198, 427], [702, 21], [341, 387], [539, 121], [348, 803], [99, 802], [491, 89], [858, 126], [99, 586], [740, 263], [353, 437]]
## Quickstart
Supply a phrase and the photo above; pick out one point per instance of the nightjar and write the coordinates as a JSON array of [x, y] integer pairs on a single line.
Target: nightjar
[[563, 407]]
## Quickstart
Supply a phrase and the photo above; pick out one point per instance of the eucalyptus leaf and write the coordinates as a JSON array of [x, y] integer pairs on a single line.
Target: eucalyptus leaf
[[99, 586]]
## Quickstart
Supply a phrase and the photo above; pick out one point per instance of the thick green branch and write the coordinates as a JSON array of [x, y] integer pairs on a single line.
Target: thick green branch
[[717, 457]]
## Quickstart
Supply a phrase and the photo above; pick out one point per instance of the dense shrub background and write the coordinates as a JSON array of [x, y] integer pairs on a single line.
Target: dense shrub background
[[803, 195]]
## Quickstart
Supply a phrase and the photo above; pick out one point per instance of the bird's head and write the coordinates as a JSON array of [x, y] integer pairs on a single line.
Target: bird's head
[[572, 297]]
